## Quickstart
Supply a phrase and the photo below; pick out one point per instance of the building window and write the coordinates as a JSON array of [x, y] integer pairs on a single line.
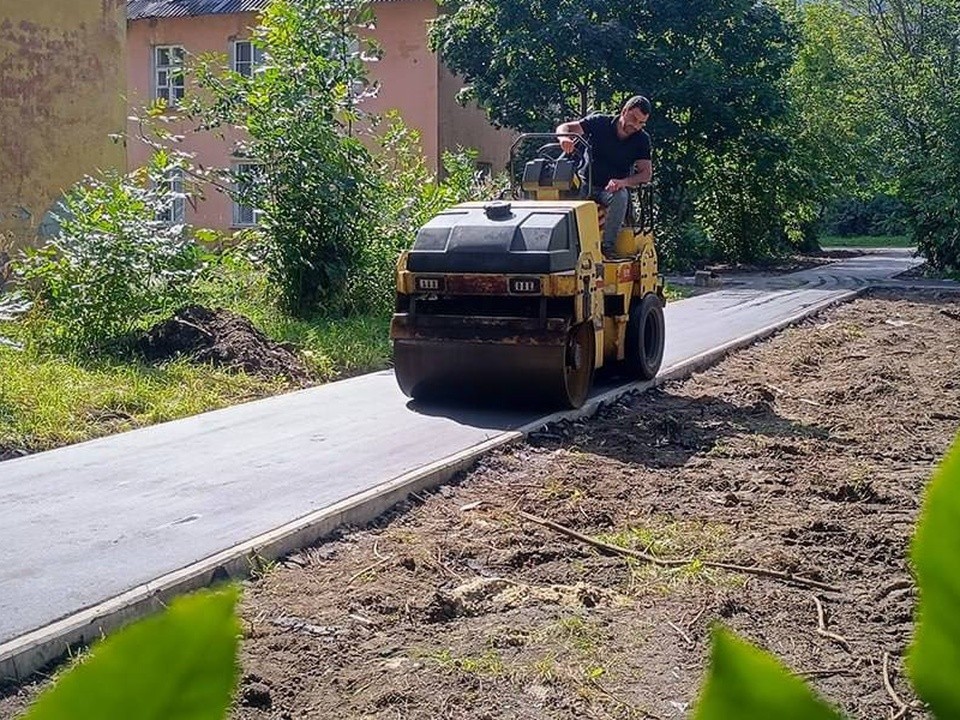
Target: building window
[[174, 209], [245, 57], [168, 73], [244, 175]]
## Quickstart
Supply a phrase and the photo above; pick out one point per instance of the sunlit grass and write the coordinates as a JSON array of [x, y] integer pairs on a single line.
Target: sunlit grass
[[866, 241], [48, 401]]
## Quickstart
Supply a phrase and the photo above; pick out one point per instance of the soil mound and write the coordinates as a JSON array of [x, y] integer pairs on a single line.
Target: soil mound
[[221, 338]]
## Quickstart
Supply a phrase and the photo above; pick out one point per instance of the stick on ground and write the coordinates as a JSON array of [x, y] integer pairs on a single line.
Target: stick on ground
[[663, 562]]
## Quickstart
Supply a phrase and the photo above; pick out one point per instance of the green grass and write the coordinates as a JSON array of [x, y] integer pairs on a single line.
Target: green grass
[[48, 400], [676, 292], [866, 241]]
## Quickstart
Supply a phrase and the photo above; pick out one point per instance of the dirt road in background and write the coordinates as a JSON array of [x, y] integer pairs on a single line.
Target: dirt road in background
[[805, 455]]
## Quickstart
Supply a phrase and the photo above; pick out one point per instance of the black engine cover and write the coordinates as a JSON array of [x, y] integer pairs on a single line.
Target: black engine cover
[[498, 238]]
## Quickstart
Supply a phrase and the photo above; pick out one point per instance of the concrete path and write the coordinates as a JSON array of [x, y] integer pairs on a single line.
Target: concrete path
[[82, 525]]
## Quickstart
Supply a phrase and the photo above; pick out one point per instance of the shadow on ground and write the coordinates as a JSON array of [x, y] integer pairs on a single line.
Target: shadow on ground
[[661, 429]]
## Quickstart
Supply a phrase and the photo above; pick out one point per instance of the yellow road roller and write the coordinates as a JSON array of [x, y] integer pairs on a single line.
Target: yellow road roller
[[512, 298]]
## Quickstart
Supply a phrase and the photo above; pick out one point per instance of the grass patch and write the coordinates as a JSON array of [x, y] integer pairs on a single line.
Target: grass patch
[[676, 292], [47, 401], [488, 664], [333, 347], [866, 241]]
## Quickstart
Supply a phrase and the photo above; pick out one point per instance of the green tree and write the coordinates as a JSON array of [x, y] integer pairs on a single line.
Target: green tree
[[313, 181], [714, 71], [919, 59]]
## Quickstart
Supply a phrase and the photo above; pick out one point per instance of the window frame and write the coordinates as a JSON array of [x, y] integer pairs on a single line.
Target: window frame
[[237, 207], [176, 211], [255, 60], [174, 73]]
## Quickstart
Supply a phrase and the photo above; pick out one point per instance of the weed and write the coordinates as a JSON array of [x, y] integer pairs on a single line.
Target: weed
[[488, 664]]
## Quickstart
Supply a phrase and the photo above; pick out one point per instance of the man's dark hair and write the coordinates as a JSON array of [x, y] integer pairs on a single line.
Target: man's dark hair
[[638, 102]]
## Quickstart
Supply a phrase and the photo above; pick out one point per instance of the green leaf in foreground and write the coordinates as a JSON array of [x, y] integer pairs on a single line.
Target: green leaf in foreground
[[749, 684], [935, 655], [178, 665]]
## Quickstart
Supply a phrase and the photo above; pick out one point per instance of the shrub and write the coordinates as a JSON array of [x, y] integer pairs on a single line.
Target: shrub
[[115, 264], [313, 184], [408, 195]]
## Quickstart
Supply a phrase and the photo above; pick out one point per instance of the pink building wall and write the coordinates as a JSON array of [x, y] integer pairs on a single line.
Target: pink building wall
[[411, 81], [198, 35]]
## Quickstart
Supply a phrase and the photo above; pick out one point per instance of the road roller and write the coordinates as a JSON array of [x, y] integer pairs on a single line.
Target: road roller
[[512, 299]]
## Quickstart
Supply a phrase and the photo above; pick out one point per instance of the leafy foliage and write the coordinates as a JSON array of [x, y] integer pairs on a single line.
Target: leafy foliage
[[408, 195], [918, 42], [313, 185], [935, 654], [115, 264], [879, 215], [714, 71], [749, 684], [179, 664]]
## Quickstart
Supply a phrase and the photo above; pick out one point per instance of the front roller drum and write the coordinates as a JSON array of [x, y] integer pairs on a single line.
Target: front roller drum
[[555, 374]]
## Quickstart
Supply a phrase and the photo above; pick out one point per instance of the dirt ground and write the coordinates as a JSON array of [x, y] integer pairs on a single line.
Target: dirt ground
[[805, 454]]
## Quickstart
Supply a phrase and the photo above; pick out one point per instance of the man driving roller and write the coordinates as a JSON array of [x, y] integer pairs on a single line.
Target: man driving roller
[[619, 159]]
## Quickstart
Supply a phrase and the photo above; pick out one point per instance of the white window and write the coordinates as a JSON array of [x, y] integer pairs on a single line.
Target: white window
[[173, 212], [245, 175], [245, 57], [168, 73]]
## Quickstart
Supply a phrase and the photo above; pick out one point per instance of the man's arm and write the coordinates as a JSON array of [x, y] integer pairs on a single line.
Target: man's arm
[[566, 131], [642, 174]]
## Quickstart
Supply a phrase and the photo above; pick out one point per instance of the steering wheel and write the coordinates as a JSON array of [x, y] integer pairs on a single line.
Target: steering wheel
[[551, 151]]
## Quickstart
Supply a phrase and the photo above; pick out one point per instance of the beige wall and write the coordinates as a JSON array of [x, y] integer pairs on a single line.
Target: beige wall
[[468, 126], [197, 35], [407, 73], [414, 83], [61, 96]]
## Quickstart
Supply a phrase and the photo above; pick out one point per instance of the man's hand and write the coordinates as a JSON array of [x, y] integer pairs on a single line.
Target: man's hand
[[566, 134], [615, 185]]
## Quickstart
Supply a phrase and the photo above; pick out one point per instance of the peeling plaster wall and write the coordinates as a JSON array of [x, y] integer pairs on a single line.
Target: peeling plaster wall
[[62, 80]]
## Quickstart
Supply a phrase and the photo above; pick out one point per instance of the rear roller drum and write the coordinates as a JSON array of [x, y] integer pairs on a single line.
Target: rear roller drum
[[579, 362], [645, 338]]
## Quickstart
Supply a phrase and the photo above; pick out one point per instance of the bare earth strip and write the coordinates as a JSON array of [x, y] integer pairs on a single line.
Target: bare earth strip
[[805, 455]]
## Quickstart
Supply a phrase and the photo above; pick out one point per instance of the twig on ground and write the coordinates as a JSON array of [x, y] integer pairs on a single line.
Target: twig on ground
[[681, 633], [376, 550], [623, 703], [950, 314], [822, 626], [893, 587], [689, 624], [444, 566], [195, 327], [662, 562], [944, 416], [826, 672], [902, 708], [369, 568]]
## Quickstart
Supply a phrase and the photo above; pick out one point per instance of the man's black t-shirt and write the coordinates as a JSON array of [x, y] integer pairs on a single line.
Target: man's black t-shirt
[[610, 156]]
